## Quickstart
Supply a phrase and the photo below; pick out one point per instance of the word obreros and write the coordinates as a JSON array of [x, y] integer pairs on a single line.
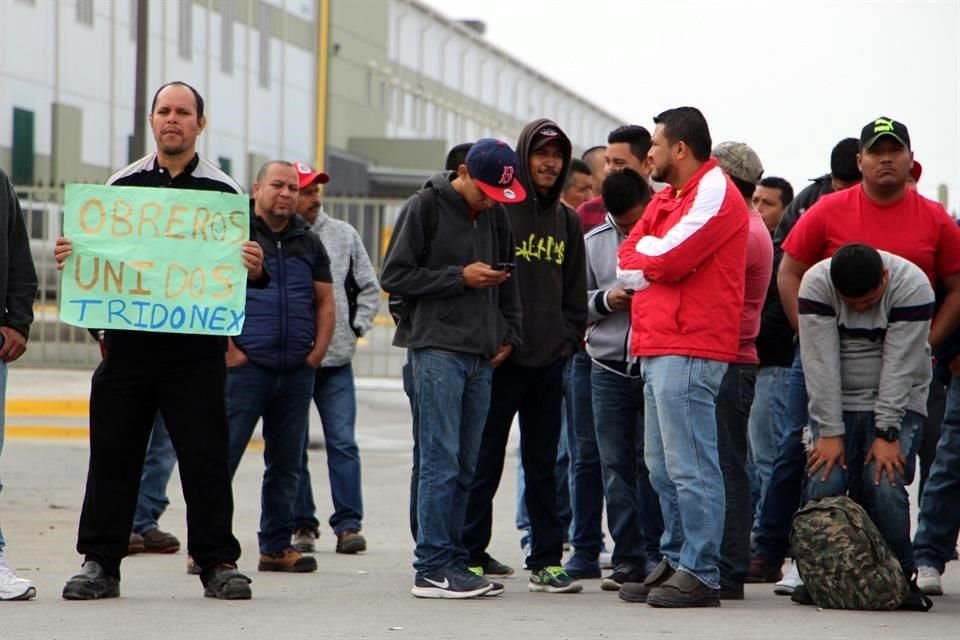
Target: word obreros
[[155, 259], [122, 219]]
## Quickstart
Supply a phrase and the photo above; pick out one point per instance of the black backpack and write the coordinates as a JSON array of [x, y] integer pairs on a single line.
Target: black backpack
[[400, 308]]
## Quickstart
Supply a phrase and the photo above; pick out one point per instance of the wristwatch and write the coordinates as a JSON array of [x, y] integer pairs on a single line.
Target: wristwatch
[[890, 434]]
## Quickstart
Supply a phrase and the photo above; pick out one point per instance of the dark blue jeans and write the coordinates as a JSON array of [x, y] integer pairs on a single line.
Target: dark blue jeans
[[887, 505], [282, 399], [336, 400], [452, 395], [633, 509], [733, 415], [157, 468], [786, 480], [939, 520], [536, 393], [586, 474]]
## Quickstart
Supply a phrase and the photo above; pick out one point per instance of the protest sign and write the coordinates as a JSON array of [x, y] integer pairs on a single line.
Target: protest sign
[[155, 259]]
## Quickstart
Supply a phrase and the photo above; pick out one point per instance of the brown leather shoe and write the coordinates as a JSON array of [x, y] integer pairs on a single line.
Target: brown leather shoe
[[763, 571], [638, 591], [683, 590], [350, 541], [289, 560], [157, 541], [135, 545]]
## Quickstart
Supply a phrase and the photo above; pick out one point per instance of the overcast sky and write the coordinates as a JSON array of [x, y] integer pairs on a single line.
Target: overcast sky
[[788, 78]]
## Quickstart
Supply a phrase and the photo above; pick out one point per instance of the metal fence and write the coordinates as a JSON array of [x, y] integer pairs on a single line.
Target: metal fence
[[55, 344]]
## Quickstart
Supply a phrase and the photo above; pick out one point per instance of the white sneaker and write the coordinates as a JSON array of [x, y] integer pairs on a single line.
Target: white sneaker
[[526, 554], [606, 559], [790, 581], [12, 587], [928, 579]]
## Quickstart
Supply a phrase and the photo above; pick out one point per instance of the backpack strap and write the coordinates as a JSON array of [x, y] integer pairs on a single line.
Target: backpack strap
[[431, 219]]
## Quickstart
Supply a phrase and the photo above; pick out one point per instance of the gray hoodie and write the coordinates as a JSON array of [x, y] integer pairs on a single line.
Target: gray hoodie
[[443, 312], [877, 360], [343, 245], [608, 331]]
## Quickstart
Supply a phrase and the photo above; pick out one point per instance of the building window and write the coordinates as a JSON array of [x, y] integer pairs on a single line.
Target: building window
[[185, 32], [85, 12], [265, 45], [226, 37], [225, 165], [22, 169]]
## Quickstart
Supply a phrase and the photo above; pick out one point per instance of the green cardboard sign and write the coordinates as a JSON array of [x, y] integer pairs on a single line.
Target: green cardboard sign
[[155, 259]]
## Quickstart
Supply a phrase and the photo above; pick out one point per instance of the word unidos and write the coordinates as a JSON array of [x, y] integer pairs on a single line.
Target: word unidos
[[121, 219]]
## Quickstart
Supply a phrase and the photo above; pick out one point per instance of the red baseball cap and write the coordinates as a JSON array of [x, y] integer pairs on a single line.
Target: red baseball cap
[[308, 176]]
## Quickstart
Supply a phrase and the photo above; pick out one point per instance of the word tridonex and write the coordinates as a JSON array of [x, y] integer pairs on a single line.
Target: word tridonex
[[155, 259]]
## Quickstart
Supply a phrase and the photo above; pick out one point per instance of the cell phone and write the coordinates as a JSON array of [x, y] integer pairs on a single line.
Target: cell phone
[[503, 266]]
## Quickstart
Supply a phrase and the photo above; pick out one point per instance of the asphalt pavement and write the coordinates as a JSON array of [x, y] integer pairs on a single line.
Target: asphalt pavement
[[364, 596]]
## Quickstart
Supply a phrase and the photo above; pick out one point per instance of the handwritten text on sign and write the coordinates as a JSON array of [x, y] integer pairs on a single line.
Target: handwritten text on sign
[[155, 259]]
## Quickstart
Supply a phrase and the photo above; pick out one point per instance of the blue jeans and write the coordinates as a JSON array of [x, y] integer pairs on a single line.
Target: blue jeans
[[939, 520], [452, 395], [681, 453], [586, 474], [733, 414], [158, 466], [782, 498], [536, 393], [887, 505], [765, 427], [336, 400], [633, 512], [3, 423], [282, 399]]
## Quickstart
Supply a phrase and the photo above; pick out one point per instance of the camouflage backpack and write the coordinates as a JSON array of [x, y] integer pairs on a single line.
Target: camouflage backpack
[[843, 559]]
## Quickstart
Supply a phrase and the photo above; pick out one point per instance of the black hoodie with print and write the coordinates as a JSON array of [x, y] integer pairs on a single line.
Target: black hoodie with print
[[550, 261]]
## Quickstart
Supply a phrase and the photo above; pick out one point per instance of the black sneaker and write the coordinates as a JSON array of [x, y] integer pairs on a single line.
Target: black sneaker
[[553, 580], [224, 582], [496, 569], [622, 573], [450, 582], [92, 583], [497, 589]]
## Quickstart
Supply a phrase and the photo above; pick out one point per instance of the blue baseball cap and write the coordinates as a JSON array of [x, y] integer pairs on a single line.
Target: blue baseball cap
[[494, 166]]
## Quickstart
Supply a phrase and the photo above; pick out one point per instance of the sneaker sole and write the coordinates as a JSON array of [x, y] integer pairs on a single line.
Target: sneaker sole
[[501, 574], [446, 594], [932, 590], [29, 594], [545, 588], [609, 585], [783, 589]]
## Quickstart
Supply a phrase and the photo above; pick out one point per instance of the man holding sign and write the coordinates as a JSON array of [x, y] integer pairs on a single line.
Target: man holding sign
[[174, 369]]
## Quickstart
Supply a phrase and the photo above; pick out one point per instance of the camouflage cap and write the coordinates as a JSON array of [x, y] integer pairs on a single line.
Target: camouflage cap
[[739, 161]]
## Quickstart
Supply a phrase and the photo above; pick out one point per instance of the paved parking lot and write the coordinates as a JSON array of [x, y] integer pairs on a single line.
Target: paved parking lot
[[365, 596]]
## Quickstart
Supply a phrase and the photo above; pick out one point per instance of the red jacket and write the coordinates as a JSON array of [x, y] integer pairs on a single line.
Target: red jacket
[[686, 260]]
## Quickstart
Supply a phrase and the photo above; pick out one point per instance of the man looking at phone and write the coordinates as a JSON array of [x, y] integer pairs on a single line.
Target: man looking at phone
[[461, 319]]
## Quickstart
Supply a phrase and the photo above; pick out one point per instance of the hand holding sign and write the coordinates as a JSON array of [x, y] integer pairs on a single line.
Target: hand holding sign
[[170, 260]]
